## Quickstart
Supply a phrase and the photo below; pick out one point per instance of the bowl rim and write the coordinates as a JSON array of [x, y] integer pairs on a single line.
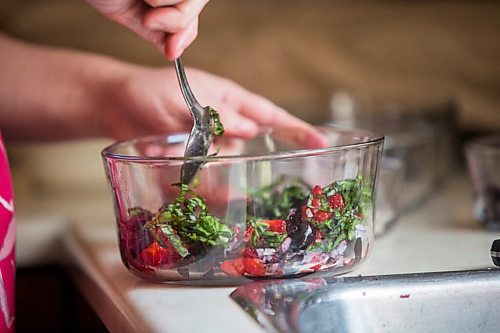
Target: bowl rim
[[374, 139]]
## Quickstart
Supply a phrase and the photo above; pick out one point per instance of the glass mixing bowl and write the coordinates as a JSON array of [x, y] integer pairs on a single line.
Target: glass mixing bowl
[[260, 208]]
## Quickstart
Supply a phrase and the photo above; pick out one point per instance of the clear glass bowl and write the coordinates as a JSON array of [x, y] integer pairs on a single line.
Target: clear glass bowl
[[411, 142], [261, 208], [421, 133]]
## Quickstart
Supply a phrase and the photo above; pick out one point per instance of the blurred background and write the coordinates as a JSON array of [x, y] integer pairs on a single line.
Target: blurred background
[[383, 65], [300, 54]]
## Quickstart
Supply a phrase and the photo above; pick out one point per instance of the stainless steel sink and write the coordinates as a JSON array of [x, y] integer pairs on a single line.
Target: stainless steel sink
[[461, 301]]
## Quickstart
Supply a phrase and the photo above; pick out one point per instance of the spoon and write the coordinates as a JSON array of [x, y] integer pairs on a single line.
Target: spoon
[[200, 137]]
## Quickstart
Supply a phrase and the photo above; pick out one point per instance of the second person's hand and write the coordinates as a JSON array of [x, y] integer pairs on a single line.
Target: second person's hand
[[148, 100]]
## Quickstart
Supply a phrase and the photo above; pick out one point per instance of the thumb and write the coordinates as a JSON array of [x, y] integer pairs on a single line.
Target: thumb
[[177, 42]]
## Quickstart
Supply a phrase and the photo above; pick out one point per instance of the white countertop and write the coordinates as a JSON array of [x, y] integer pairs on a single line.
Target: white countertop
[[439, 235]]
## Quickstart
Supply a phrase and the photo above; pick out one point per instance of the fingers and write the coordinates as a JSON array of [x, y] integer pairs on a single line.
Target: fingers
[[178, 19], [265, 113], [242, 112], [172, 19], [158, 21], [237, 125], [176, 43]]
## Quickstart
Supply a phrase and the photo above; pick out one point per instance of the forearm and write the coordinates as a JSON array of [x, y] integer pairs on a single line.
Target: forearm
[[50, 94]]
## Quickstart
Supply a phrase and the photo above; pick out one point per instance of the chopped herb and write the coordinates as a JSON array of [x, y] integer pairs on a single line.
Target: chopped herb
[[218, 128], [174, 240], [263, 237], [188, 215], [356, 199]]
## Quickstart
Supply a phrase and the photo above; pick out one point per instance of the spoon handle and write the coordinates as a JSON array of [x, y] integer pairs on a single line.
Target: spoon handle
[[186, 90]]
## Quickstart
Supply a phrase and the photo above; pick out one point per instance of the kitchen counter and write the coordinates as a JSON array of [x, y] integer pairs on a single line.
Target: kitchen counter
[[439, 235]]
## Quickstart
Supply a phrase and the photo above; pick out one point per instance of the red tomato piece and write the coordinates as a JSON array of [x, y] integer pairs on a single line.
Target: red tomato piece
[[316, 267], [228, 268], [276, 225], [254, 267], [234, 267], [248, 234], [322, 216], [318, 235], [317, 191], [239, 265], [316, 203], [336, 201], [154, 254]]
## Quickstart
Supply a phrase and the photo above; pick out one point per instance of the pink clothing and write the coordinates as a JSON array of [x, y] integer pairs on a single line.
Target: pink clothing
[[7, 245]]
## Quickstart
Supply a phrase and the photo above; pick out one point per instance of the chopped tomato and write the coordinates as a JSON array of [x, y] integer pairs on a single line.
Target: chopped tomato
[[154, 254], [276, 225], [336, 201], [228, 268], [254, 267], [235, 267], [317, 191], [239, 265], [322, 216], [248, 234], [316, 267], [316, 203], [318, 235]]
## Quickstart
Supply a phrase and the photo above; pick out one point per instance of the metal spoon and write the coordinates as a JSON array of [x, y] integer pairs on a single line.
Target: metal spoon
[[201, 134]]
